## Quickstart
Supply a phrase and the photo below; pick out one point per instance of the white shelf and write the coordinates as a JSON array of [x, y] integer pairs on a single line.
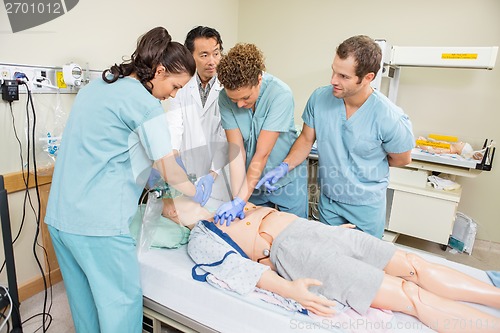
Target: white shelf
[[428, 191]]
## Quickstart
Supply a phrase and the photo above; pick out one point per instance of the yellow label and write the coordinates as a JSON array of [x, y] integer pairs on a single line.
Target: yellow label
[[471, 56], [440, 137], [60, 80], [443, 145]]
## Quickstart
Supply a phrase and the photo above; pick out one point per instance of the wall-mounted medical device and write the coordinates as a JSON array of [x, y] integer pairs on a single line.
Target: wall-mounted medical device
[[49, 79], [395, 57], [73, 74]]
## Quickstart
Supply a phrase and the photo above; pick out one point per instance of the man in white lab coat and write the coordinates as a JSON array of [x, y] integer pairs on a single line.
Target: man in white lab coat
[[194, 117]]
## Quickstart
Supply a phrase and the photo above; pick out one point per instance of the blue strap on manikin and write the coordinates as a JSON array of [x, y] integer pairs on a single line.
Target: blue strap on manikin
[[211, 226], [203, 277]]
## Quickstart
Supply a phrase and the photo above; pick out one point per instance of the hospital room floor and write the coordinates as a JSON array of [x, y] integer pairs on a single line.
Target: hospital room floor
[[485, 256]]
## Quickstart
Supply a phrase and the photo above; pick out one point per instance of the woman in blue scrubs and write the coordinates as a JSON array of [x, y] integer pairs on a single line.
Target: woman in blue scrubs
[[257, 112], [115, 132]]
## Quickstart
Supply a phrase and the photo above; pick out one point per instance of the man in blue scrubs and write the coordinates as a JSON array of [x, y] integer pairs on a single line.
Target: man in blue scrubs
[[359, 133], [257, 112]]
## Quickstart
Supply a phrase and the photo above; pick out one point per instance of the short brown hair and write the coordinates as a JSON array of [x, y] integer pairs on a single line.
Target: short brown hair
[[365, 51]]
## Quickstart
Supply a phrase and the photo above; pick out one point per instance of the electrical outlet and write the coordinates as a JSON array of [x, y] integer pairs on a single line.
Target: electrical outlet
[[40, 76], [5, 73]]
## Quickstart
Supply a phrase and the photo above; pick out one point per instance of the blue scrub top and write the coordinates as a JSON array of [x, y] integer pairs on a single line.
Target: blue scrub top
[[113, 135], [353, 166], [274, 111]]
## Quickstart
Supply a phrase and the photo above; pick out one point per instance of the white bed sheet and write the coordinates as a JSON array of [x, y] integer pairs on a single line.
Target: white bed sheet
[[166, 280]]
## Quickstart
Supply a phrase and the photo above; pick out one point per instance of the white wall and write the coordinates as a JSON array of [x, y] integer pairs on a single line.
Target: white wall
[[299, 39], [100, 33]]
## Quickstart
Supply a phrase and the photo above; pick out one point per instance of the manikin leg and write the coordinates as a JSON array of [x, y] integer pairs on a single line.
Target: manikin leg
[[442, 280], [439, 313]]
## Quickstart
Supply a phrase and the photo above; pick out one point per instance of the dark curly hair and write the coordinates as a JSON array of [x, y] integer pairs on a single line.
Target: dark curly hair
[[241, 67], [365, 51], [154, 48]]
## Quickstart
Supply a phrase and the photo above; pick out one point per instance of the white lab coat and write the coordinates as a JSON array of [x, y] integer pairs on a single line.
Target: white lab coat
[[196, 130]]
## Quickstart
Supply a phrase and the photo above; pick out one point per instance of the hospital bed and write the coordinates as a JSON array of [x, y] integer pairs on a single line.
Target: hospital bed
[[173, 298]]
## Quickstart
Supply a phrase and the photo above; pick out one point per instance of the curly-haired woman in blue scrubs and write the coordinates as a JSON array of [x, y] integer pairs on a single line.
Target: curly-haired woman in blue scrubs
[[257, 112]]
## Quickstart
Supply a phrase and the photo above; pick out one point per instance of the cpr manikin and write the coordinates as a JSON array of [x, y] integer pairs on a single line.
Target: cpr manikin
[[463, 149], [410, 284]]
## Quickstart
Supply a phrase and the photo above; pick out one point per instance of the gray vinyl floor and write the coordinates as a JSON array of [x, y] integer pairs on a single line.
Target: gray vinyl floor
[[485, 256]]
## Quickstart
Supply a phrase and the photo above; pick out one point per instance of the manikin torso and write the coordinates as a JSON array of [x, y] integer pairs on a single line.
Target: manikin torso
[[257, 231], [254, 234]]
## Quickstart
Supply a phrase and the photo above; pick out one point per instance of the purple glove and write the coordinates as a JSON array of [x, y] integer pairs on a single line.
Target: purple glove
[[273, 176], [202, 195], [228, 211]]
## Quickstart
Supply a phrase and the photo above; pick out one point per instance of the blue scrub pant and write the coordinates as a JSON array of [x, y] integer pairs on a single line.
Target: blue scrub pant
[[368, 218], [291, 198], [102, 280]]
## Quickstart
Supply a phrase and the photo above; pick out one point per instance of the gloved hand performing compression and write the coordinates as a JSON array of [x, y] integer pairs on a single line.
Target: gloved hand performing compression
[[228, 211], [273, 176]]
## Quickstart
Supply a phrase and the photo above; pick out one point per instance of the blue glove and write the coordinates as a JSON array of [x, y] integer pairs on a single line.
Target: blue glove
[[228, 211], [203, 191], [206, 182], [179, 161], [154, 177], [273, 176]]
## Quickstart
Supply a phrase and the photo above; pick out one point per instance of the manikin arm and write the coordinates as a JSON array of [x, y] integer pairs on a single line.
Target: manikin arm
[[297, 290], [242, 274]]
